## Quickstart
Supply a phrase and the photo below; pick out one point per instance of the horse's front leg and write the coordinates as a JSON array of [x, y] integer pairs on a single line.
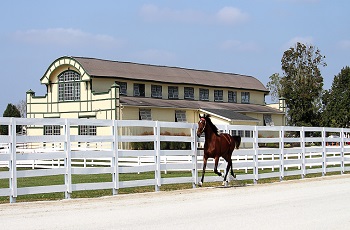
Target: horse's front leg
[[203, 172], [216, 166]]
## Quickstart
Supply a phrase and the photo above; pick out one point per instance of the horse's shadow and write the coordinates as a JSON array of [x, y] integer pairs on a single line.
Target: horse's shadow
[[233, 184]]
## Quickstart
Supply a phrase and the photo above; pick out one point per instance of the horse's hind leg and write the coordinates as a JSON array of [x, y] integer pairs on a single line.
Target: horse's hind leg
[[225, 182], [234, 176]]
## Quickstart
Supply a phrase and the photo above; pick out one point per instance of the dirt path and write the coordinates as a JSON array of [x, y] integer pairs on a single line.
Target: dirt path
[[319, 203]]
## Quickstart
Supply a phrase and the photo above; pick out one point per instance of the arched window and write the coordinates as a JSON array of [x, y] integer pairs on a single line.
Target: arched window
[[69, 86]]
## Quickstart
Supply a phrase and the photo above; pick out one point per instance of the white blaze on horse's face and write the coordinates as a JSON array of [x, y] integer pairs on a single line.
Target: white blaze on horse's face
[[201, 126]]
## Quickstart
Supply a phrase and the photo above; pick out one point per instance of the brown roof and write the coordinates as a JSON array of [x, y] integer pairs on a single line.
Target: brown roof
[[191, 104], [105, 68]]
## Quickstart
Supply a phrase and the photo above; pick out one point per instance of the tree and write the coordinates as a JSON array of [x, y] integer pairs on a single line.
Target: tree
[[336, 101], [22, 107], [274, 85], [10, 111], [301, 84]]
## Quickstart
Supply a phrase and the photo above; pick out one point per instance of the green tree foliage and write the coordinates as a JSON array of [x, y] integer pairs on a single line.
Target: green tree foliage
[[274, 86], [301, 84], [10, 111], [336, 101]]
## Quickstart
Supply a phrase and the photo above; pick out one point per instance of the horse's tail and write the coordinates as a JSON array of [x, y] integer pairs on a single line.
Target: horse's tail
[[237, 141]]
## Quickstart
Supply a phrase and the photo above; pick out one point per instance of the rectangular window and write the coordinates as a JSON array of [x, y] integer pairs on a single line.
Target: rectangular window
[[87, 130], [145, 114], [173, 92], [180, 116], [139, 90], [204, 94], [52, 130], [232, 96], [189, 93], [122, 87], [156, 91], [218, 95], [268, 120], [245, 97]]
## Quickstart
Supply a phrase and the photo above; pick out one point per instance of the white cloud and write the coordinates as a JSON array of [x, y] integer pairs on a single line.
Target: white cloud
[[66, 37], [231, 15], [226, 15], [239, 46]]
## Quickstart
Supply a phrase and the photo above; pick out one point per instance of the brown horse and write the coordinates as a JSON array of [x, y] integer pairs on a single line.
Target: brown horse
[[216, 145]]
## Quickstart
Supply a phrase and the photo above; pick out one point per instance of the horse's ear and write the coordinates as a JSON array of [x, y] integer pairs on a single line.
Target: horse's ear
[[200, 116], [207, 115]]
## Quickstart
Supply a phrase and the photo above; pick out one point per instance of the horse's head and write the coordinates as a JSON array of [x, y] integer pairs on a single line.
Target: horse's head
[[202, 123]]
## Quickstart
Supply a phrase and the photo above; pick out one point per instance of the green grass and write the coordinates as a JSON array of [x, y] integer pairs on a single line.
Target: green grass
[[94, 178]]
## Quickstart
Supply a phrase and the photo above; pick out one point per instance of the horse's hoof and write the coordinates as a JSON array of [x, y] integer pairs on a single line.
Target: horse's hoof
[[200, 184], [225, 183], [232, 178]]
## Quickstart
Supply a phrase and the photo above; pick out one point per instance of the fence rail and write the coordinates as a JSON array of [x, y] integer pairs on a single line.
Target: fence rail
[[265, 152]]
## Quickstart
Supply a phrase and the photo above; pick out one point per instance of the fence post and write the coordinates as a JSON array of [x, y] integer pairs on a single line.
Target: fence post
[[13, 168], [303, 153], [256, 155], [67, 160], [115, 162], [282, 153], [194, 156], [157, 156], [324, 152], [342, 165]]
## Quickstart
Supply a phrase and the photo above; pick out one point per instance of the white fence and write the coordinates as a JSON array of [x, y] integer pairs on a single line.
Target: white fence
[[265, 152]]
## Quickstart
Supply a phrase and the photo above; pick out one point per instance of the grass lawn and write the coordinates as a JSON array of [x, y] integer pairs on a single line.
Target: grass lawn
[[94, 178]]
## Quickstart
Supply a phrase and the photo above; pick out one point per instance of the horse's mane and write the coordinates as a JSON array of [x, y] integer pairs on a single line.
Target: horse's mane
[[211, 125]]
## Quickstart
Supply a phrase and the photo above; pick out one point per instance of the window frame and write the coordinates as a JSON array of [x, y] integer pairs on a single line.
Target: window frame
[[180, 116], [52, 130], [156, 91], [69, 86], [233, 97], [87, 130], [173, 92], [139, 90], [268, 120], [145, 114], [245, 97], [203, 94], [189, 93], [218, 95], [123, 87]]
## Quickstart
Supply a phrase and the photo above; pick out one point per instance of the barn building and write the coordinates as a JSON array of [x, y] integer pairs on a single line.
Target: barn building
[[80, 87]]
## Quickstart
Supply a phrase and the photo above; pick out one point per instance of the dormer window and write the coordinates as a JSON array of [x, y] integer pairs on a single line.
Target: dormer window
[[69, 86]]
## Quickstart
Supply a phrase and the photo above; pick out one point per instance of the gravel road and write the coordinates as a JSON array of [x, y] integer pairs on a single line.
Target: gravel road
[[318, 203]]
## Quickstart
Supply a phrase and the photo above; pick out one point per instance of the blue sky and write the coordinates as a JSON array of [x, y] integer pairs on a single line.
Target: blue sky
[[245, 37]]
